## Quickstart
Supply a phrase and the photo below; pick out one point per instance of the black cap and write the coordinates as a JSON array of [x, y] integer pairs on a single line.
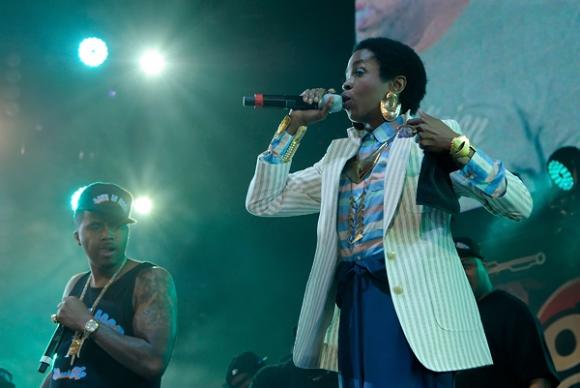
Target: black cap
[[247, 362], [466, 247], [6, 379], [108, 199]]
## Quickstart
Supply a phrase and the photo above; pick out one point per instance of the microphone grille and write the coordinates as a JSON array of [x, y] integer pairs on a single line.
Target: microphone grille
[[336, 102]]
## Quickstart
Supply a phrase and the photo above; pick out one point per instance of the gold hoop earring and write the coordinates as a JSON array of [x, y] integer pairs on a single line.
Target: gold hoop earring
[[390, 106]]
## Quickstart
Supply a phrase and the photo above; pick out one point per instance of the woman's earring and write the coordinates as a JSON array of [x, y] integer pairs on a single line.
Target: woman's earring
[[390, 106]]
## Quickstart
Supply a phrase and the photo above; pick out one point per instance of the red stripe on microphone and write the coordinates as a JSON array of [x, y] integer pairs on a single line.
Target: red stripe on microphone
[[259, 99]]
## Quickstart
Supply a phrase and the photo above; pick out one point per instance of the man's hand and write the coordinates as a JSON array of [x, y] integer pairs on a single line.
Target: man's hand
[[431, 133], [73, 313]]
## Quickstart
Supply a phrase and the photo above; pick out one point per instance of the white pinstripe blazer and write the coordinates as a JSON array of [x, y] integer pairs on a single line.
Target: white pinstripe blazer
[[432, 297]]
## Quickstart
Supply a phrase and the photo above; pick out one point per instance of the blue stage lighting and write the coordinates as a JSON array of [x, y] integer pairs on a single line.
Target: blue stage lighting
[[93, 52], [152, 62], [143, 205], [563, 167], [560, 175]]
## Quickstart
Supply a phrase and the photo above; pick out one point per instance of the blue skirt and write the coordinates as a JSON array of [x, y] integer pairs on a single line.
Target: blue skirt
[[372, 349]]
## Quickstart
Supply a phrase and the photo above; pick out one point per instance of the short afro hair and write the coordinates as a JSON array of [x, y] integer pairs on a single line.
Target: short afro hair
[[396, 58]]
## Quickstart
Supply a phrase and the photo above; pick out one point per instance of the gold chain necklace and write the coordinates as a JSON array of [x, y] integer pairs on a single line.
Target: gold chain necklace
[[357, 171], [355, 217], [79, 337]]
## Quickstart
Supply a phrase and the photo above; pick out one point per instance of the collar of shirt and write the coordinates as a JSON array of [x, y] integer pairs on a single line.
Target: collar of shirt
[[380, 134]]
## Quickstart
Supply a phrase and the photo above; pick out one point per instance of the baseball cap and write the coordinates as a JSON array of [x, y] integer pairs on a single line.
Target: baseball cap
[[466, 247], [247, 362], [108, 199]]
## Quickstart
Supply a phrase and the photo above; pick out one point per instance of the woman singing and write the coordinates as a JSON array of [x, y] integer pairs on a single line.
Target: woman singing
[[387, 303]]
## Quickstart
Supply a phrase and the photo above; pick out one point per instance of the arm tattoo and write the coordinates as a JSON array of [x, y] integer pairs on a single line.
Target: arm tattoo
[[155, 307]]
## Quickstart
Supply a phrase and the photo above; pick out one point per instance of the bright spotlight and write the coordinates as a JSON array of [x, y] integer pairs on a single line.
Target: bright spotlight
[[152, 62], [143, 205], [74, 199], [563, 167], [93, 52]]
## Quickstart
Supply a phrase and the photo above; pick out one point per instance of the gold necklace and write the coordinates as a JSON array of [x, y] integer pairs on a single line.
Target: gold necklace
[[355, 217], [357, 171], [79, 337]]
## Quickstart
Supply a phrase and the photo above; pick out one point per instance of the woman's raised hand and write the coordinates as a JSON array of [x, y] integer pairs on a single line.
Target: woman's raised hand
[[432, 134], [311, 116]]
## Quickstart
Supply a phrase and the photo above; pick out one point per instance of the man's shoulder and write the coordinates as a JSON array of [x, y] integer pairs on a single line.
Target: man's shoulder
[[151, 279], [507, 301], [503, 295], [72, 282], [148, 270], [272, 375], [75, 278]]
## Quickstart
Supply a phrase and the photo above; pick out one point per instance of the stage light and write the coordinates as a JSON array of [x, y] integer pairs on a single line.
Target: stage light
[[563, 167], [560, 175], [74, 199], [143, 205], [152, 62], [93, 52]]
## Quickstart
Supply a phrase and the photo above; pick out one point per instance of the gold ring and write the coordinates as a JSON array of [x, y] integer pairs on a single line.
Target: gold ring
[[53, 318]]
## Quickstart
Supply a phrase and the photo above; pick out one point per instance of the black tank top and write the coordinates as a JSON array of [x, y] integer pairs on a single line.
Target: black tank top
[[95, 368]]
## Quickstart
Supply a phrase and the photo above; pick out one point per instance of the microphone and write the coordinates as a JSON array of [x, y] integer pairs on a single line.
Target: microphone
[[51, 348], [259, 100]]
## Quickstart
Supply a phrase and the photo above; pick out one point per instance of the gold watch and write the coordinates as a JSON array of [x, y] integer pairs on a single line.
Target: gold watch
[[90, 327]]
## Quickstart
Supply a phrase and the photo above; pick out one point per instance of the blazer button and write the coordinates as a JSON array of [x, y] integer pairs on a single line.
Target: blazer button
[[398, 290], [391, 255]]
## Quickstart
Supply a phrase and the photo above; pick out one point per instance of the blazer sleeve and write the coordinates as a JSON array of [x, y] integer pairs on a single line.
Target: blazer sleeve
[[274, 192], [511, 200]]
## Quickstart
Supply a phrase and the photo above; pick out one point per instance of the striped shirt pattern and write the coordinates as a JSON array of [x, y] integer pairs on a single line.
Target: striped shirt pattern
[[371, 243]]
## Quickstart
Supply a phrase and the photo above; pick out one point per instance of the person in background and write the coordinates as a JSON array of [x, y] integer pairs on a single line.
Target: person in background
[[514, 335], [6, 379], [242, 369], [121, 315]]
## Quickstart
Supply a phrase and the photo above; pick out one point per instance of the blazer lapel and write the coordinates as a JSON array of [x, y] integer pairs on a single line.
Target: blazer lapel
[[395, 177], [342, 151]]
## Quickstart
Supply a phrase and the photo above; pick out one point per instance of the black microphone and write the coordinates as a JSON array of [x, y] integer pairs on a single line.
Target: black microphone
[[51, 348], [259, 100]]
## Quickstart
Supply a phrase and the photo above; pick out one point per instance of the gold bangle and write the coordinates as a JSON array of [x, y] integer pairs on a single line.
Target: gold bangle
[[284, 124], [291, 150], [460, 147], [464, 160]]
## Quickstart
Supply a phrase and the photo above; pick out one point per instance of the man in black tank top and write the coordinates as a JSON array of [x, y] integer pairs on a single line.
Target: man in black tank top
[[119, 317]]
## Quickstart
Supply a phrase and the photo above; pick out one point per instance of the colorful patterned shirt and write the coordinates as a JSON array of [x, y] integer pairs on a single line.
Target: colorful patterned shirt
[[481, 171]]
